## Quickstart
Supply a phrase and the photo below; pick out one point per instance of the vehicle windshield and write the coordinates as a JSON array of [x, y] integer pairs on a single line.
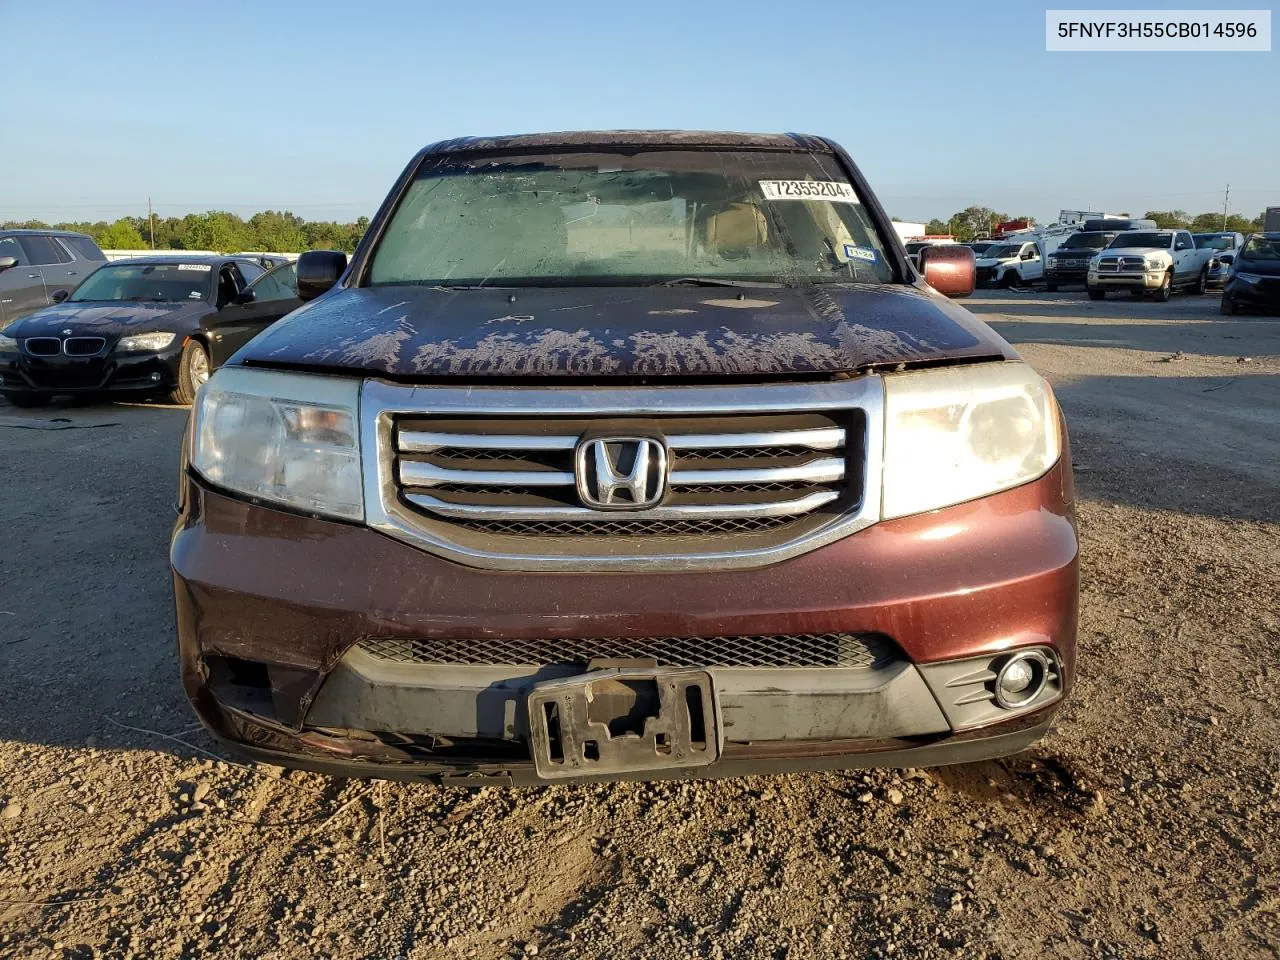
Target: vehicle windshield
[[1086, 241], [164, 282], [1136, 239], [1001, 251], [648, 216], [1261, 248], [1216, 241], [981, 246]]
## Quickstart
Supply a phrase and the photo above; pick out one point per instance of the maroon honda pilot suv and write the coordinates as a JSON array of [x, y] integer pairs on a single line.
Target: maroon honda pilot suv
[[626, 454]]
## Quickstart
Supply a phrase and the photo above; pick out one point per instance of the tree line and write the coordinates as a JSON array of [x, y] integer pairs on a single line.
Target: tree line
[[284, 232], [269, 231], [974, 221]]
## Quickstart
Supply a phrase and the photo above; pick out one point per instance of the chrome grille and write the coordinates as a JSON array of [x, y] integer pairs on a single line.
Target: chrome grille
[[43, 346], [754, 473], [727, 475], [847, 650], [83, 346], [1121, 265]]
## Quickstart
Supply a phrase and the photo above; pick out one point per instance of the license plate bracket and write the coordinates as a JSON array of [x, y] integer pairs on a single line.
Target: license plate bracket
[[623, 720]]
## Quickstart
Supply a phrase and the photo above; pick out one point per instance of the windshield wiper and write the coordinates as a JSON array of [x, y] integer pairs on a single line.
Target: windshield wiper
[[716, 282]]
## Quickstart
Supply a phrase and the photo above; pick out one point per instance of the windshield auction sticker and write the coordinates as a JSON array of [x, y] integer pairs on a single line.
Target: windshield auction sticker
[[831, 190], [1231, 31], [202, 267]]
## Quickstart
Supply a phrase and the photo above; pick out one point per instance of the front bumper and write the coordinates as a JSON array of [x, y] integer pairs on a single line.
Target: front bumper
[[293, 598], [1265, 293], [112, 373], [1150, 280], [1060, 274]]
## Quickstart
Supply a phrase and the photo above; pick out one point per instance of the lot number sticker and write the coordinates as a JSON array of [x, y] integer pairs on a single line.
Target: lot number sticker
[[202, 267], [831, 190]]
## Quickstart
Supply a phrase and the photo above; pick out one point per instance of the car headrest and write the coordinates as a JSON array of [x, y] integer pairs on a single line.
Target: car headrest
[[736, 229]]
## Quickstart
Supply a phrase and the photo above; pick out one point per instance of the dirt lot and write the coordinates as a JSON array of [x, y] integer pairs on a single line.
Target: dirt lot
[[1144, 826]]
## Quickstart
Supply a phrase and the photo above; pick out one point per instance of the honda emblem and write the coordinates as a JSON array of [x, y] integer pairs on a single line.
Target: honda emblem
[[620, 473]]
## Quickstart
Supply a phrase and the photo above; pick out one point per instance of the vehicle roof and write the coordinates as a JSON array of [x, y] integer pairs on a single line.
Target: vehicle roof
[[1267, 234], [634, 138], [28, 231]]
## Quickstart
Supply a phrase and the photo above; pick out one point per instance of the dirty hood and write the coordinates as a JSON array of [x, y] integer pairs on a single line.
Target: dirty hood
[[422, 332], [110, 319]]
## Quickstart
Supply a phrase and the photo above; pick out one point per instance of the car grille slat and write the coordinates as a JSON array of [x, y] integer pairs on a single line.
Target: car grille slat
[[415, 473], [43, 346], [686, 511], [840, 650], [83, 346]]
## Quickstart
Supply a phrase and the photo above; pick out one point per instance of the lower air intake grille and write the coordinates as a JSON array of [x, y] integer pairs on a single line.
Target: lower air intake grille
[[849, 650], [627, 528]]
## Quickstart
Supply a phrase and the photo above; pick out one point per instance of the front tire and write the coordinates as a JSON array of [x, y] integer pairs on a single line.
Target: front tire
[[1050, 288], [1166, 287], [193, 370], [1228, 306], [1096, 294], [28, 400]]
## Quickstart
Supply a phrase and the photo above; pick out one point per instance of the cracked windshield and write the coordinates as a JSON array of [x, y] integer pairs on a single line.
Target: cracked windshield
[[660, 216]]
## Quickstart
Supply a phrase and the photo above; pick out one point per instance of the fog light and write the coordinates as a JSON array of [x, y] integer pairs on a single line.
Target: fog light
[[155, 378], [1021, 679]]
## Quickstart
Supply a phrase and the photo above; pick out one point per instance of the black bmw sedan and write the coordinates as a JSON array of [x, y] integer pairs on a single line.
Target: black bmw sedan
[[148, 326]]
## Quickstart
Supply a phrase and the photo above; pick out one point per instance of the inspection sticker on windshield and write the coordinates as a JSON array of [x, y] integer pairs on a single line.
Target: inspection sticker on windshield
[[202, 267], [859, 253], [831, 190]]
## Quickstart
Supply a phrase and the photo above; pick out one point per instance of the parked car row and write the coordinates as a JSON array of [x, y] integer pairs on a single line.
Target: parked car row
[[1136, 256]]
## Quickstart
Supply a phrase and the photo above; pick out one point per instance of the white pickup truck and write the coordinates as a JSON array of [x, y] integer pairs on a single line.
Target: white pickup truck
[[1011, 263], [1150, 261]]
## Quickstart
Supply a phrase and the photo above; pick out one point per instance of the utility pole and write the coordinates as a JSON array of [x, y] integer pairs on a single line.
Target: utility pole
[[1225, 197], [151, 217]]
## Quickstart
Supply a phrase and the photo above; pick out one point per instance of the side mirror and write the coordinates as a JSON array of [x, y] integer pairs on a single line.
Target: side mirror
[[59, 295], [318, 271], [950, 269], [245, 297], [7, 262]]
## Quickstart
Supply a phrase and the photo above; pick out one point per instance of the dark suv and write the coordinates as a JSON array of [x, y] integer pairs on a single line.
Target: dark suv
[[38, 266], [626, 454], [1069, 263]]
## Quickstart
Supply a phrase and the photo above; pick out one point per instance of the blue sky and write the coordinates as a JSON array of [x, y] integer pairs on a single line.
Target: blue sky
[[315, 107]]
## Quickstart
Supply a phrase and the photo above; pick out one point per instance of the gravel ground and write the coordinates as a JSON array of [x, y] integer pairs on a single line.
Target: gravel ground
[[1145, 825]]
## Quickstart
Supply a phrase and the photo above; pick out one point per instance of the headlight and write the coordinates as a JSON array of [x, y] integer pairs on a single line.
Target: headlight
[[8, 343], [145, 342], [960, 433], [303, 451], [1154, 264], [1248, 277]]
